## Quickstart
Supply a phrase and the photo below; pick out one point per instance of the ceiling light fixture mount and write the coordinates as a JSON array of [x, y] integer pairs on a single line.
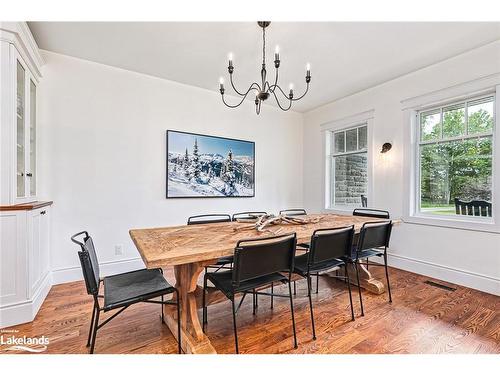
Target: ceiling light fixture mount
[[264, 90]]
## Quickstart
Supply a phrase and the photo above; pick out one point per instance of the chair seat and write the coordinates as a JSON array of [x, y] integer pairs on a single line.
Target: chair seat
[[223, 282], [300, 265], [136, 286], [366, 253]]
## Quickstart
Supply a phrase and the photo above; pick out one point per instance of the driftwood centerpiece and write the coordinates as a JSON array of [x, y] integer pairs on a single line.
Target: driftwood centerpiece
[[262, 223]]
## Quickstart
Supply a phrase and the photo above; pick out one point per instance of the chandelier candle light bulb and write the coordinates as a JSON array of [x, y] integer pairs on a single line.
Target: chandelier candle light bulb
[[264, 89]]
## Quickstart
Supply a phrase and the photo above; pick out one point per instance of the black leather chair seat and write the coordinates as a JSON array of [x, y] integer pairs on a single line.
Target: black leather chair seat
[[135, 286], [300, 265], [366, 253], [223, 281]]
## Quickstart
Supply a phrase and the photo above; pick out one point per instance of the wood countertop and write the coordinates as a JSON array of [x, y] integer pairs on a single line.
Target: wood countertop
[[26, 206]]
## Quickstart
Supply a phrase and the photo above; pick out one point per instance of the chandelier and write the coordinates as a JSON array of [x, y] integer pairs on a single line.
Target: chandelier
[[265, 89]]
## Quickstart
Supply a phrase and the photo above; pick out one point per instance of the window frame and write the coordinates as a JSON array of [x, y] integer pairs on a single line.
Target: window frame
[[441, 140], [334, 155], [480, 88], [343, 124]]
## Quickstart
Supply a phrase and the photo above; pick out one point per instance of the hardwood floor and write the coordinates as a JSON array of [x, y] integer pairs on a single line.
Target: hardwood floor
[[422, 319]]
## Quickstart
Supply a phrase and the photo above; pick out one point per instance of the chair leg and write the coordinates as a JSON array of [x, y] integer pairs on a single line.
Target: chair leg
[[359, 288], [309, 282], [366, 263], [234, 326], [317, 283], [293, 316], [204, 314], [91, 325], [179, 338], [294, 288], [94, 336], [387, 277], [254, 302], [272, 297], [349, 287], [162, 316]]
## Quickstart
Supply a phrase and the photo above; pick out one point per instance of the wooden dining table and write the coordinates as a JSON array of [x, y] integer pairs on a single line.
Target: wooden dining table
[[188, 249]]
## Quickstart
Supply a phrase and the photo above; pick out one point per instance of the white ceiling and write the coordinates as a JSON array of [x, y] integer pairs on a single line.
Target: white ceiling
[[345, 57]]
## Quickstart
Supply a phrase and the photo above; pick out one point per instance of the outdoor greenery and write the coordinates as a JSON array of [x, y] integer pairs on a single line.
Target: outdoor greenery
[[451, 167]]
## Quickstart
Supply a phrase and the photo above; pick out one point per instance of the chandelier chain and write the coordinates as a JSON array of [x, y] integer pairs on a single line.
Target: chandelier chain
[[263, 46]]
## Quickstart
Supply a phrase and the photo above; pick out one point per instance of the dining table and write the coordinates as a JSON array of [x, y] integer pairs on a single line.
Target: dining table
[[190, 248]]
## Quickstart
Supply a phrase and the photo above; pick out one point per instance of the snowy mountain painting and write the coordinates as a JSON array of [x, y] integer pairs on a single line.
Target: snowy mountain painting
[[205, 166]]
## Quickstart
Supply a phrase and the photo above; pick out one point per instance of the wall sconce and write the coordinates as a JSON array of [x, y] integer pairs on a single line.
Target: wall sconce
[[386, 147]]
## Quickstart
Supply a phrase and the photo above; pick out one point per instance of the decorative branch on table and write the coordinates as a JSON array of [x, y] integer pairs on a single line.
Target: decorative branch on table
[[261, 223]]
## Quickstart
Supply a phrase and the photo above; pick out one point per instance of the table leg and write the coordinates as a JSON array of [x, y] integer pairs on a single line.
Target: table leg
[[366, 279], [193, 339]]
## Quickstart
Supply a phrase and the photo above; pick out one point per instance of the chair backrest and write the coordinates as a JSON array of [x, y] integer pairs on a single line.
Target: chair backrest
[[330, 244], [370, 212], [88, 261], [208, 219], [293, 212], [376, 234], [258, 257], [473, 208], [248, 215], [364, 201]]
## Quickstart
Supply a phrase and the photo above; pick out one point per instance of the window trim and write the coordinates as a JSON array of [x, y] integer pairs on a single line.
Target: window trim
[[441, 139], [345, 123], [482, 87]]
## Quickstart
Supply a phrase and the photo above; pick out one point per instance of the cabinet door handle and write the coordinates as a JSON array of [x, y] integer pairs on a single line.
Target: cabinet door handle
[[29, 174], [43, 212]]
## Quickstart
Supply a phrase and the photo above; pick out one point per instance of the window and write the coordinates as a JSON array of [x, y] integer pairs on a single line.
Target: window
[[348, 166], [455, 157]]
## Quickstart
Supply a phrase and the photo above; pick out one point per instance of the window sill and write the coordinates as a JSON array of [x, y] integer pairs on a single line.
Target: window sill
[[476, 225]]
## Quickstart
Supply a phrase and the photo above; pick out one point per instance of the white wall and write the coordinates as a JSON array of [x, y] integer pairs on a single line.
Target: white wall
[[102, 159], [466, 257]]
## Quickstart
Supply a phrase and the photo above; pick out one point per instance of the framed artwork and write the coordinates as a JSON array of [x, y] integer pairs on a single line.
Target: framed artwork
[[205, 166]]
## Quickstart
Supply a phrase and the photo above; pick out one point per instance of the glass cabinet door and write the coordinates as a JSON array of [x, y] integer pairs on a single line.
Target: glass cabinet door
[[20, 128], [32, 157]]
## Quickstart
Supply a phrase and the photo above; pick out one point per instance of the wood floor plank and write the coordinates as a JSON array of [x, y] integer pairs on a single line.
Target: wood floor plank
[[421, 319]]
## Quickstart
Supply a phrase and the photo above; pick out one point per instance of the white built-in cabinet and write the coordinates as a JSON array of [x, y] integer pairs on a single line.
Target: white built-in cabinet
[[24, 220]]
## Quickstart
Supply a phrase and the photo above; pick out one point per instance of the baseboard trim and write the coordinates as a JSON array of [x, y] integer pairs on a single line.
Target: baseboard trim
[[69, 274], [453, 275], [18, 313]]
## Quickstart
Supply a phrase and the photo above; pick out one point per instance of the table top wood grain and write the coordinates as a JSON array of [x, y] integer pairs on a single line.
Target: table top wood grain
[[170, 246]]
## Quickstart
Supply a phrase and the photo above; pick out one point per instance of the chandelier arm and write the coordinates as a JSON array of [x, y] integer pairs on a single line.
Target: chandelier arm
[[304, 94], [232, 85], [279, 88], [242, 99], [276, 79], [279, 104]]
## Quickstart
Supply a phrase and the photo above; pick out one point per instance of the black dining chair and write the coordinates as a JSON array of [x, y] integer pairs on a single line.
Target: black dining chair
[[330, 248], [208, 219], [303, 245], [121, 290], [248, 215], [364, 201], [371, 212], [373, 241], [258, 262], [211, 219], [293, 212]]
